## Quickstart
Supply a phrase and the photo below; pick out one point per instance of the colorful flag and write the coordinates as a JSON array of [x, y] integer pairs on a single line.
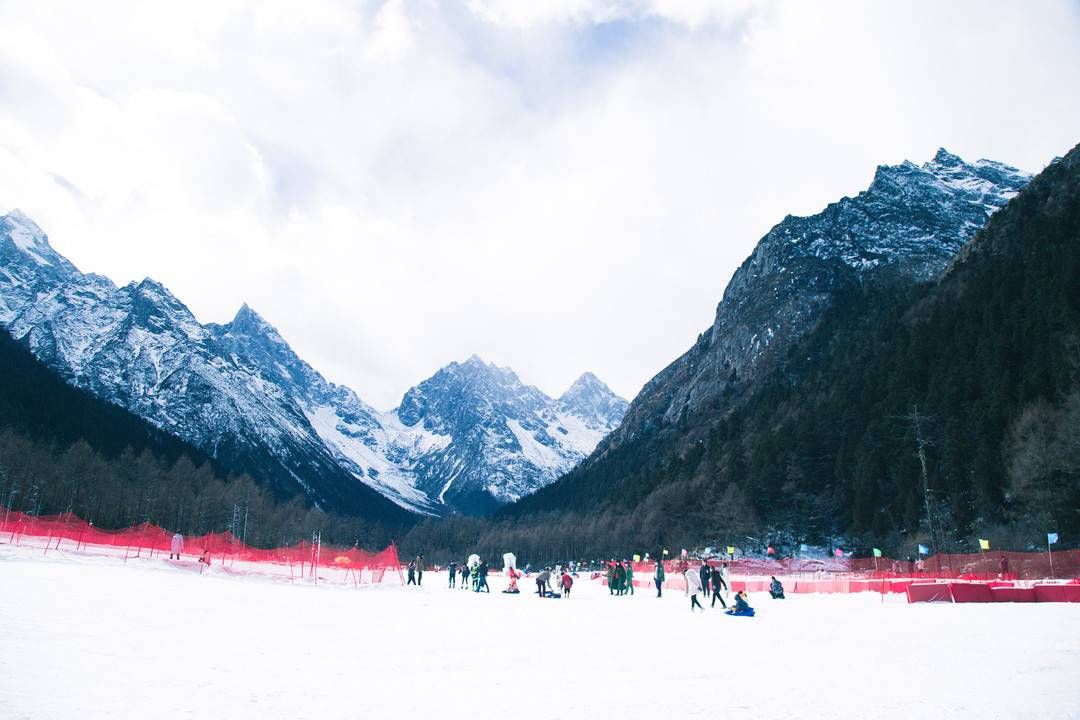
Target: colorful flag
[[1051, 538], [838, 552], [877, 553], [923, 550], [730, 549], [770, 550], [984, 544]]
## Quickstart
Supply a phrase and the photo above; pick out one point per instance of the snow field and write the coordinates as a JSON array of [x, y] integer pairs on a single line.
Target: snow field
[[91, 637]]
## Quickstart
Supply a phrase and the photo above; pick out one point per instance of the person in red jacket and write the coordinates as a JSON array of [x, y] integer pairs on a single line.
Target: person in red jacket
[[567, 583]]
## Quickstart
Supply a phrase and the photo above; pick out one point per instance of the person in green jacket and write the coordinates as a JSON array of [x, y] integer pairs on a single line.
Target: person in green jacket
[[629, 577], [658, 578]]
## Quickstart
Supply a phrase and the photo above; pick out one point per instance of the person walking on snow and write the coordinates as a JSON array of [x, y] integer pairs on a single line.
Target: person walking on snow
[[177, 545], [693, 587], [717, 583], [658, 578], [629, 577], [726, 577]]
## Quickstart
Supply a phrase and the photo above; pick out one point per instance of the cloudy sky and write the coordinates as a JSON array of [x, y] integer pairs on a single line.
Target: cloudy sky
[[556, 186]]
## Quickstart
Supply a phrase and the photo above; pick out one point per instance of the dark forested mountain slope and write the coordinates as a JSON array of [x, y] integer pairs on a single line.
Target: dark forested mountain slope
[[978, 366]]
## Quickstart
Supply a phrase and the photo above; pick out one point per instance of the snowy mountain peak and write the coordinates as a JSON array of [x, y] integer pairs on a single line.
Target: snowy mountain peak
[[594, 402], [21, 235], [946, 159]]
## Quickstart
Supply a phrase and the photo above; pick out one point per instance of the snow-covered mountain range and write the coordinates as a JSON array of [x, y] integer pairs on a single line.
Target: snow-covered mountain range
[[468, 439]]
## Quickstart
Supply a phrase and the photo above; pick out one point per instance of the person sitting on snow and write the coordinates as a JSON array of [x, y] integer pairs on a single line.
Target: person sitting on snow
[[514, 575], [741, 606], [776, 589]]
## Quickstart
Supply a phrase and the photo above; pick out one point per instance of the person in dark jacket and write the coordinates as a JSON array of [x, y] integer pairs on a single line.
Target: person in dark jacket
[[629, 584], [464, 576], [705, 572], [658, 578], [776, 589], [620, 579], [452, 569], [718, 584], [481, 583], [611, 578], [419, 568], [742, 608], [412, 573]]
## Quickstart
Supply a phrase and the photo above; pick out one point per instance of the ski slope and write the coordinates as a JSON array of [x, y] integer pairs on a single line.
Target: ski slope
[[94, 637]]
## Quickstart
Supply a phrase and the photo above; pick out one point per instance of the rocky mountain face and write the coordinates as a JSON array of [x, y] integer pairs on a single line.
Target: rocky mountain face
[[904, 229], [468, 439]]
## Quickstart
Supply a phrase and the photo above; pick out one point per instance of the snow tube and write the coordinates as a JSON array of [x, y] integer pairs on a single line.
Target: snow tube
[[749, 612]]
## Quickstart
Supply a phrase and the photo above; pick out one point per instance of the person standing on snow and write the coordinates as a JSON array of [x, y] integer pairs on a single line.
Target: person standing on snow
[[629, 577], [419, 568], [658, 578], [542, 583], [776, 589], [177, 545], [567, 583], [693, 587], [725, 575], [412, 573], [620, 579], [452, 568], [611, 578], [465, 576], [481, 575], [705, 572], [717, 583]]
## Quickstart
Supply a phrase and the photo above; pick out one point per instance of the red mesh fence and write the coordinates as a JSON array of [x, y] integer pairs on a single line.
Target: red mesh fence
[[70, 532]]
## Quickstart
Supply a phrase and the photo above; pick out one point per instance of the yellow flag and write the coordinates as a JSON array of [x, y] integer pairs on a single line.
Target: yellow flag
[[984, 544], [730, 549], [665, 551], [637, 558]]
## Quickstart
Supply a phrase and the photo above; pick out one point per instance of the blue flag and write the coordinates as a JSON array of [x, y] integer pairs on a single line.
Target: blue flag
[[923, 550], [1051, 538]]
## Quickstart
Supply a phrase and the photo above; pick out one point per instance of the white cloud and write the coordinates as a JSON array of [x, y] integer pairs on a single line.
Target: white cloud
[[556, 186]]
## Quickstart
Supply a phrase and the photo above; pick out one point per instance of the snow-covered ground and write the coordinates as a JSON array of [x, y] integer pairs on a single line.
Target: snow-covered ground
[[93, 637]]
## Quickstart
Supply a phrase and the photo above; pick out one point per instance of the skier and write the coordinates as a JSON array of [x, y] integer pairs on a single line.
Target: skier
[[542, 587], [658, 578], [452, 568], [412, 573], [177, 545], [742, 608], [481, 575], [693, 587], [706, 573], [629, 577], [776, 589], [419, 568], [567, 583], [717, 583]]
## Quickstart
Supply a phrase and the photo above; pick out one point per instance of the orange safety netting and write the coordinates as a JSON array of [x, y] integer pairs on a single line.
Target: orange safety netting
[[147, 539]]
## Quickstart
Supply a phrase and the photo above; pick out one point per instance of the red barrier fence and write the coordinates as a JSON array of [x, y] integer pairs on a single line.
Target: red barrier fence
[[970, 566], [145, 540]]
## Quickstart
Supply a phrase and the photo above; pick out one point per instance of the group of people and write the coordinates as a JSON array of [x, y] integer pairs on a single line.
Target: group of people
[[706, 580], [620, 577], [543, 582], [473, 575], [416, 570]]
